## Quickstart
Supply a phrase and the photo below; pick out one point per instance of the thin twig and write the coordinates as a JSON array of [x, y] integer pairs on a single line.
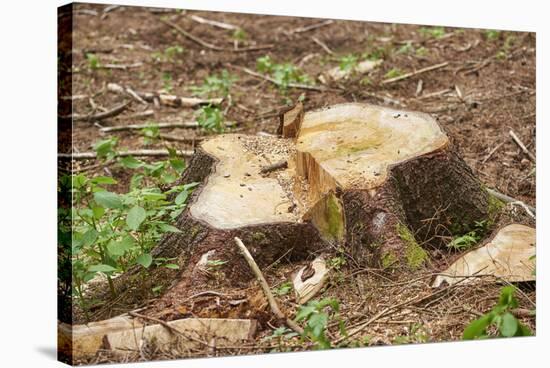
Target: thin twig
[[209, 45], [143, 153], [185, 124], [266, 289], [419, 71], [214, 23], [508, 199], [168, 327], [323, 45], [311, 27], [267, 78], [522, 146], [99, 116], [492, 152]]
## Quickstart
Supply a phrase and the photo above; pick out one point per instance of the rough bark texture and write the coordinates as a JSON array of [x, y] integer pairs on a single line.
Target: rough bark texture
[[388, 216]]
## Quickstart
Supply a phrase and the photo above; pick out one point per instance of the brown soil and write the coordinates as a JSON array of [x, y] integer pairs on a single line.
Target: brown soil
[[495, 77]]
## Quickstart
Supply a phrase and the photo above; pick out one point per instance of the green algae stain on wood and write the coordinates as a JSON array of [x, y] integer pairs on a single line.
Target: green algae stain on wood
[[415, 255], [328, 217]]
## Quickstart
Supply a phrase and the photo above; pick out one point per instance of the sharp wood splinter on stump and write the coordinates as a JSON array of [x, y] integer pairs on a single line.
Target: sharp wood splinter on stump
[[373, 180]]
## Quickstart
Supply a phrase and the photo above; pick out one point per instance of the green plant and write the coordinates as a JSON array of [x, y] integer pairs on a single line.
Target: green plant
[[150, 133], [239, 34], [348, 62], [336, 262], [492, 34], [393, 73], [112, 232], [172, 51], [281, 335], [212, 264], [168, 54], [93, 61], [407, 48], [471, 238], [283, 74], [215, 84], [167, 82], [500, 317], [435, 32], [417, 334], [283, 289], [210, 118], [317, 314], [105, 149]]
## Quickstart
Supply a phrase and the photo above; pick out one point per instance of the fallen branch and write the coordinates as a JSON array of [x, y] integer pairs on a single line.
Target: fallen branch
[[276, 166], [311, 27], [492, 152], [185, 124], [209, 45], [508, 199], [214, 23], [411, 74], [171, 137], [323, 45], [266, 289], [522, 146], [100, 116], [269, 79], [164, 99], [143, 153], [119, 66]]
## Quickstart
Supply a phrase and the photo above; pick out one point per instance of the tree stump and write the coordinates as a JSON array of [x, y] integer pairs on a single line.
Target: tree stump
[[372, 181]]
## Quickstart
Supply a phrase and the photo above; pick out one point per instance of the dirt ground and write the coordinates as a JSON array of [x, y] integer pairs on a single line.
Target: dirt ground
[[486, 90]]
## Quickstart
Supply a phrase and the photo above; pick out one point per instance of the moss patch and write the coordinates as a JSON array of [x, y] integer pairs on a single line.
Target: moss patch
[[388, 259], [414, 253], [334, 217]]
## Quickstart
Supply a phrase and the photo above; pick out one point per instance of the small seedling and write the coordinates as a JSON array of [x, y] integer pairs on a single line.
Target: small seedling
[[93, 61], [210, 118], [284, 289], [317, 314], [434, 32], [348, 62], [167, 81], [151, 133], [393, 73], [283, 74], [239, 35], [492, 34], [215, 85], [500, 317]]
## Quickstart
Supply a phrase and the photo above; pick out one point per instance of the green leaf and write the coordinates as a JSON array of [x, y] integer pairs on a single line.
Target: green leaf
[[507, 298], [103, 180], [177, 164], [145, 260], [477, 328], [135, 217], [101, 268], [509, 325], [317, 322], [108, 199], [98, 212], [118, 248], [89, 237], [130, 162], [523, 330], [172, 266], [169, 228], [182, 197], [304, 312]]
